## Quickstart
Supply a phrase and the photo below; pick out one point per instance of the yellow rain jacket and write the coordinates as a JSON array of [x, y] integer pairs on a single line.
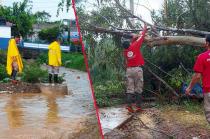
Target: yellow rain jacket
[[13, 52], [54, 54]]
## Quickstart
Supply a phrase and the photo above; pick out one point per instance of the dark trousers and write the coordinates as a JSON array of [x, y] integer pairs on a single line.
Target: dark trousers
[[13, 75]]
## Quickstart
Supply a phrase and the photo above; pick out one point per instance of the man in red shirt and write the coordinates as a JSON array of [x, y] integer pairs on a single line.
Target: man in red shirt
[[202, 71], [134, 72]]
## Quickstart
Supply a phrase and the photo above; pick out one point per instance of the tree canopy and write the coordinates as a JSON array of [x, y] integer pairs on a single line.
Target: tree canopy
[[180, 24], [19, 12]]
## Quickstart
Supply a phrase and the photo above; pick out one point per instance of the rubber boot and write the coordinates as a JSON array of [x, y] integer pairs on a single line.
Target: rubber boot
[[129, 100], [50, 78], [138, 102], [55, 78], [13, 76]]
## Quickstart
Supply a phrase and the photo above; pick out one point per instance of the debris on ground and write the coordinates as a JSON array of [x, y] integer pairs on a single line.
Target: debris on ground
[[20, 87], [164, 124]]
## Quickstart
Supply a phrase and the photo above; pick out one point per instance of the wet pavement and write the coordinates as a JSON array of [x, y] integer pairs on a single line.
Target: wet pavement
[[41, 116]]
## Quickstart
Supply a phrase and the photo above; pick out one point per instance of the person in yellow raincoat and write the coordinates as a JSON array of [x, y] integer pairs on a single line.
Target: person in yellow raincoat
[[54, 60], [14, 61]]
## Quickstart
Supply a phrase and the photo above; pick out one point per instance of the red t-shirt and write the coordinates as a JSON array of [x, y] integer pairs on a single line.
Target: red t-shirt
[[202, 65], [133, 55]]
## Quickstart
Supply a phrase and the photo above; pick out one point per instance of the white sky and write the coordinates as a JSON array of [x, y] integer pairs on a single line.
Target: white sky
[[138, 10], [50, 6], [151, 4]]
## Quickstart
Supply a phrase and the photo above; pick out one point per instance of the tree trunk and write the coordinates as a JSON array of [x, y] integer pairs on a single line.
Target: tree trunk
[[175, 40], [157, 41]]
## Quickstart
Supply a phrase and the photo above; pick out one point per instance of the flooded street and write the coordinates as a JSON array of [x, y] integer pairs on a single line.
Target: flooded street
[[41, 116]]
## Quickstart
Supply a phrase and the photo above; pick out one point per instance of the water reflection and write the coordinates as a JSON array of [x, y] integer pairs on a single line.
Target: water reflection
[[30, 110], [14, 112], [52, 113]]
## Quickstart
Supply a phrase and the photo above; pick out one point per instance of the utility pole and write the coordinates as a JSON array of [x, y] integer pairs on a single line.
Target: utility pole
[[165, 14], [132, 9], [132, 6], [165, 8]]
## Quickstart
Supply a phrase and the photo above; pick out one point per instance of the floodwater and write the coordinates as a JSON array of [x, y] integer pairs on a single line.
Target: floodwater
[[41, 116]]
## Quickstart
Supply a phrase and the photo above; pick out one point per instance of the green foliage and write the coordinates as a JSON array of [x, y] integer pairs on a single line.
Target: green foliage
[[50, 34], [193, 106], [65, 4], [106, 65], [74, 61], [3, 58], [186, 14], [33, 73], [69, 60], [42, 17], [106, 61], [109, 93], [43, 58], [19, 14], [3, 72], [179, 76]]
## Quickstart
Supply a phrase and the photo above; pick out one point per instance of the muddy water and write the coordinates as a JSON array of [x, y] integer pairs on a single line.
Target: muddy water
[[39, 116]]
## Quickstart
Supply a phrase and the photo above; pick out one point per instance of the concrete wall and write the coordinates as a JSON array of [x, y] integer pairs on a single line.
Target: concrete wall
[[5, 35]]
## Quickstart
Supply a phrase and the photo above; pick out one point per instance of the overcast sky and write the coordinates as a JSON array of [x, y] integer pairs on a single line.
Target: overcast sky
[[151, 4], [51, 7]]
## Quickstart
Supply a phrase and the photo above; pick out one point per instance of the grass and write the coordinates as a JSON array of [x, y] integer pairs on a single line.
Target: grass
[[72, 60], [189, 113], [193, 106], [109, 93]]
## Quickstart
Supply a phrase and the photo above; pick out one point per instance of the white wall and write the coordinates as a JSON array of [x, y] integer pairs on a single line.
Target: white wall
[[5, 32]]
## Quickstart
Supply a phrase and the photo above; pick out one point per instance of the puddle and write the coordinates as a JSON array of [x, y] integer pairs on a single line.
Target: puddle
[[43, 116]]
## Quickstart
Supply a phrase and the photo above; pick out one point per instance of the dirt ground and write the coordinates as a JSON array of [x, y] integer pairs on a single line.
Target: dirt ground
[[168, 123], [20, 87]]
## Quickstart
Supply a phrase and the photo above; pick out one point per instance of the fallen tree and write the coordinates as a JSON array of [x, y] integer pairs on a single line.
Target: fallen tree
[[175, 40], [159, 34], [154, 41], [154, 37]]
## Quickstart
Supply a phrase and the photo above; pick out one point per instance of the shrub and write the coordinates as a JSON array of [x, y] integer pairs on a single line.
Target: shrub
[[69, 60], [3, 58], [109, 93], [3, 72], [179, 76], [33, 73], [50, 34], [74, 61], [106, 64], [43, 58]]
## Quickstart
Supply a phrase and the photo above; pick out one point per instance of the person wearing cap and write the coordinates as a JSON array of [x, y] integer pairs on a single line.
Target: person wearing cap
[[202, 71], [134, 73], [54, 60], [14, 61]]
